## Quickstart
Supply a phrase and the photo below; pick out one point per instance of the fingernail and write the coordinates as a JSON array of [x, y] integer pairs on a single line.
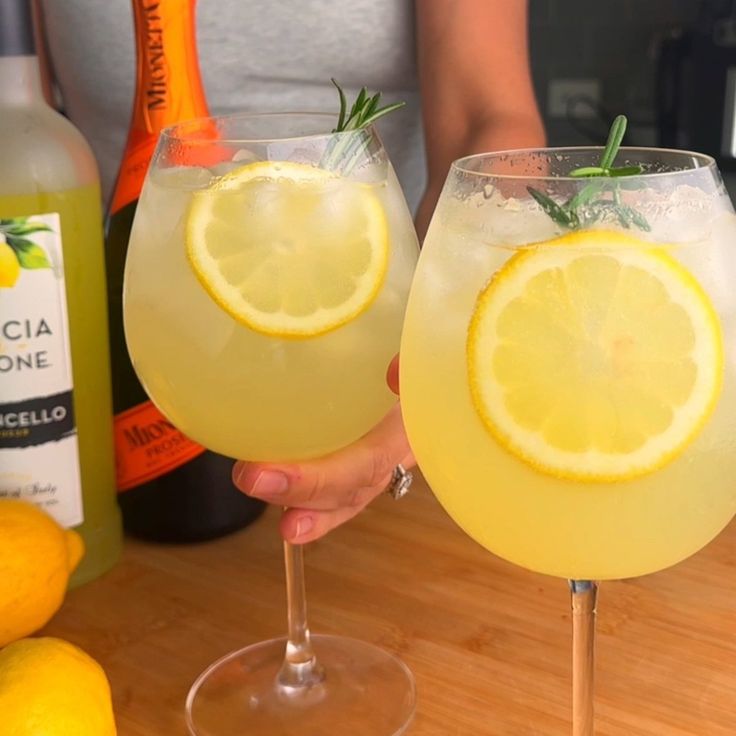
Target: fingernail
[[239, 471], [304, 525], [269, 484]]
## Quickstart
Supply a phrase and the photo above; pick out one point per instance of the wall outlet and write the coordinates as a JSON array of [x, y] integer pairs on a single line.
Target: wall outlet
[[561, 90]]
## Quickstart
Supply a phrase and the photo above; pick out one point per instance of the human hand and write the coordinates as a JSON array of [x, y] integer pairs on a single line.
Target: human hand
[[321, 494]]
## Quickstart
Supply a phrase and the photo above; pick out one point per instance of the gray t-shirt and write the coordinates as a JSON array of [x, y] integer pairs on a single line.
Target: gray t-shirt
[[255, 55]]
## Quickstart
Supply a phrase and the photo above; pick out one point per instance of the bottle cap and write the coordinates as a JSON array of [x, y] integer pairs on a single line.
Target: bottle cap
[[16, 28]]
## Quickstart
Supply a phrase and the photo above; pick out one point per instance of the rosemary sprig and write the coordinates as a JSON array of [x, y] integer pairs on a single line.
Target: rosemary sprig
[[590, 203], [364, 111], [343, 151]]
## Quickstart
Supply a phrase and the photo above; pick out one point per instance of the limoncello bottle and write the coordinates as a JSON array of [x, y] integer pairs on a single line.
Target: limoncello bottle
[[56, 445]]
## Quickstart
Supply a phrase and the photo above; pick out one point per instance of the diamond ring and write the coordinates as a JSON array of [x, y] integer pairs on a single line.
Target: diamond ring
[[400, 483]]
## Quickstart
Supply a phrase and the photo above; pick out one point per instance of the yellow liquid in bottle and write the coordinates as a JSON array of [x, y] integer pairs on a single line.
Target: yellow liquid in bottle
[[81, 236]]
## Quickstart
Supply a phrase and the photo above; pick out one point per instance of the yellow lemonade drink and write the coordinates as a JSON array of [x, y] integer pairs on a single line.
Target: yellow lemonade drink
[[266, 278], [264, 305], [570, 396]]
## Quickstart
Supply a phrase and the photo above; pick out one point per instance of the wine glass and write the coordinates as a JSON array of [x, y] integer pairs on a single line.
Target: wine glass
[[265, 285], [567, 366]]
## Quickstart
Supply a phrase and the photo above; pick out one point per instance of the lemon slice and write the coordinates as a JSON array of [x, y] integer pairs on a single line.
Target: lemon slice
[[288, 249], [595, 356]]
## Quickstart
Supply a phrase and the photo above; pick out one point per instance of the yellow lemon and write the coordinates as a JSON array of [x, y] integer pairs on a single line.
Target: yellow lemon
[[36, 558], [595, 356], [48, 687], [287, 249], [9, 266]]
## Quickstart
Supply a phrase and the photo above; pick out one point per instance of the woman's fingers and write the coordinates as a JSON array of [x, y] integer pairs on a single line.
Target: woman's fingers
[[346, 479], [300, 526]]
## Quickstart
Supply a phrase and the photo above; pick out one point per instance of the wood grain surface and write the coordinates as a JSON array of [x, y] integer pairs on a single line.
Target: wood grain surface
[[489, 643]]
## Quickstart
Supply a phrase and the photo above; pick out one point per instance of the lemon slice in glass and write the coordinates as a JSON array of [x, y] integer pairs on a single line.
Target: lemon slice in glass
[[594, 357], [288, 249]]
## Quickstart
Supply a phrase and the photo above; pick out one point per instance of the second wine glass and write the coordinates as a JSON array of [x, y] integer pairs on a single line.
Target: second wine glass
[[266, 280], [567, 366]]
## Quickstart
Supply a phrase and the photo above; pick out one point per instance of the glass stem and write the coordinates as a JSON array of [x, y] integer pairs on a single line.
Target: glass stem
[[300, 668], [584, 594]]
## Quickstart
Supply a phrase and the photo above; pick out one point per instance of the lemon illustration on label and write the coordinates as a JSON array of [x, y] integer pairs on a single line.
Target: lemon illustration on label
[[9, 266], [18, 251]]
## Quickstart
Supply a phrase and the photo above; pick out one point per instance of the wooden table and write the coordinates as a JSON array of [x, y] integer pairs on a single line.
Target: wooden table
[[489, 643]]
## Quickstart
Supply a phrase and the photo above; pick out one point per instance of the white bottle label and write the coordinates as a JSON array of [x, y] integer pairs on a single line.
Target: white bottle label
[[39, 453]]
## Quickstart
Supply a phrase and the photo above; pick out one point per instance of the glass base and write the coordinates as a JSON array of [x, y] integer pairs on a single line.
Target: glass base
[[365, 691]]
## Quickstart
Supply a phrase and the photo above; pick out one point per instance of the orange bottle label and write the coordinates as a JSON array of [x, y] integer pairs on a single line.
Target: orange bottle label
[[168, 86], [148, 445]]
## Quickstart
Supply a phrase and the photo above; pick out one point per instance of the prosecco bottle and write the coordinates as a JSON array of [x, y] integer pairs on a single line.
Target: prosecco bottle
[[170, 489]]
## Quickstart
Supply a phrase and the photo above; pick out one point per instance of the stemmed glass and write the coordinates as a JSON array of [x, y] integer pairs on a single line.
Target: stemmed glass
[[265, 285], [567, 366]]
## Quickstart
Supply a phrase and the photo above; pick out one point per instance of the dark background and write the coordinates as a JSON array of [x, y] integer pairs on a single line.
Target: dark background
[[634, 51]]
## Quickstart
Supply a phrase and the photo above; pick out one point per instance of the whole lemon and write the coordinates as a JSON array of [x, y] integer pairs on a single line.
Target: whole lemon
[[9, 266], [36, 558], [50, 687]]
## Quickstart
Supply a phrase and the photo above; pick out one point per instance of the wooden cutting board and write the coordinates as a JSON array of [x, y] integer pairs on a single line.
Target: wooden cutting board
[[489, 643]]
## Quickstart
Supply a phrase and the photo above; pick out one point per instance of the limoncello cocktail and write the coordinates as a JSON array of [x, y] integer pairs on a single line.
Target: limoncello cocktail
[[264, 302], [567, 364], [265, 285], [570, 394]]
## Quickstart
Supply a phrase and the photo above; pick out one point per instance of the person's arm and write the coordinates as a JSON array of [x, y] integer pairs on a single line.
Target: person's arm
[[475, 82]]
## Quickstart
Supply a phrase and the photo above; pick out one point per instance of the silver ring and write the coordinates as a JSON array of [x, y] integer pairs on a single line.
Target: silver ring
[[401, 480]]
